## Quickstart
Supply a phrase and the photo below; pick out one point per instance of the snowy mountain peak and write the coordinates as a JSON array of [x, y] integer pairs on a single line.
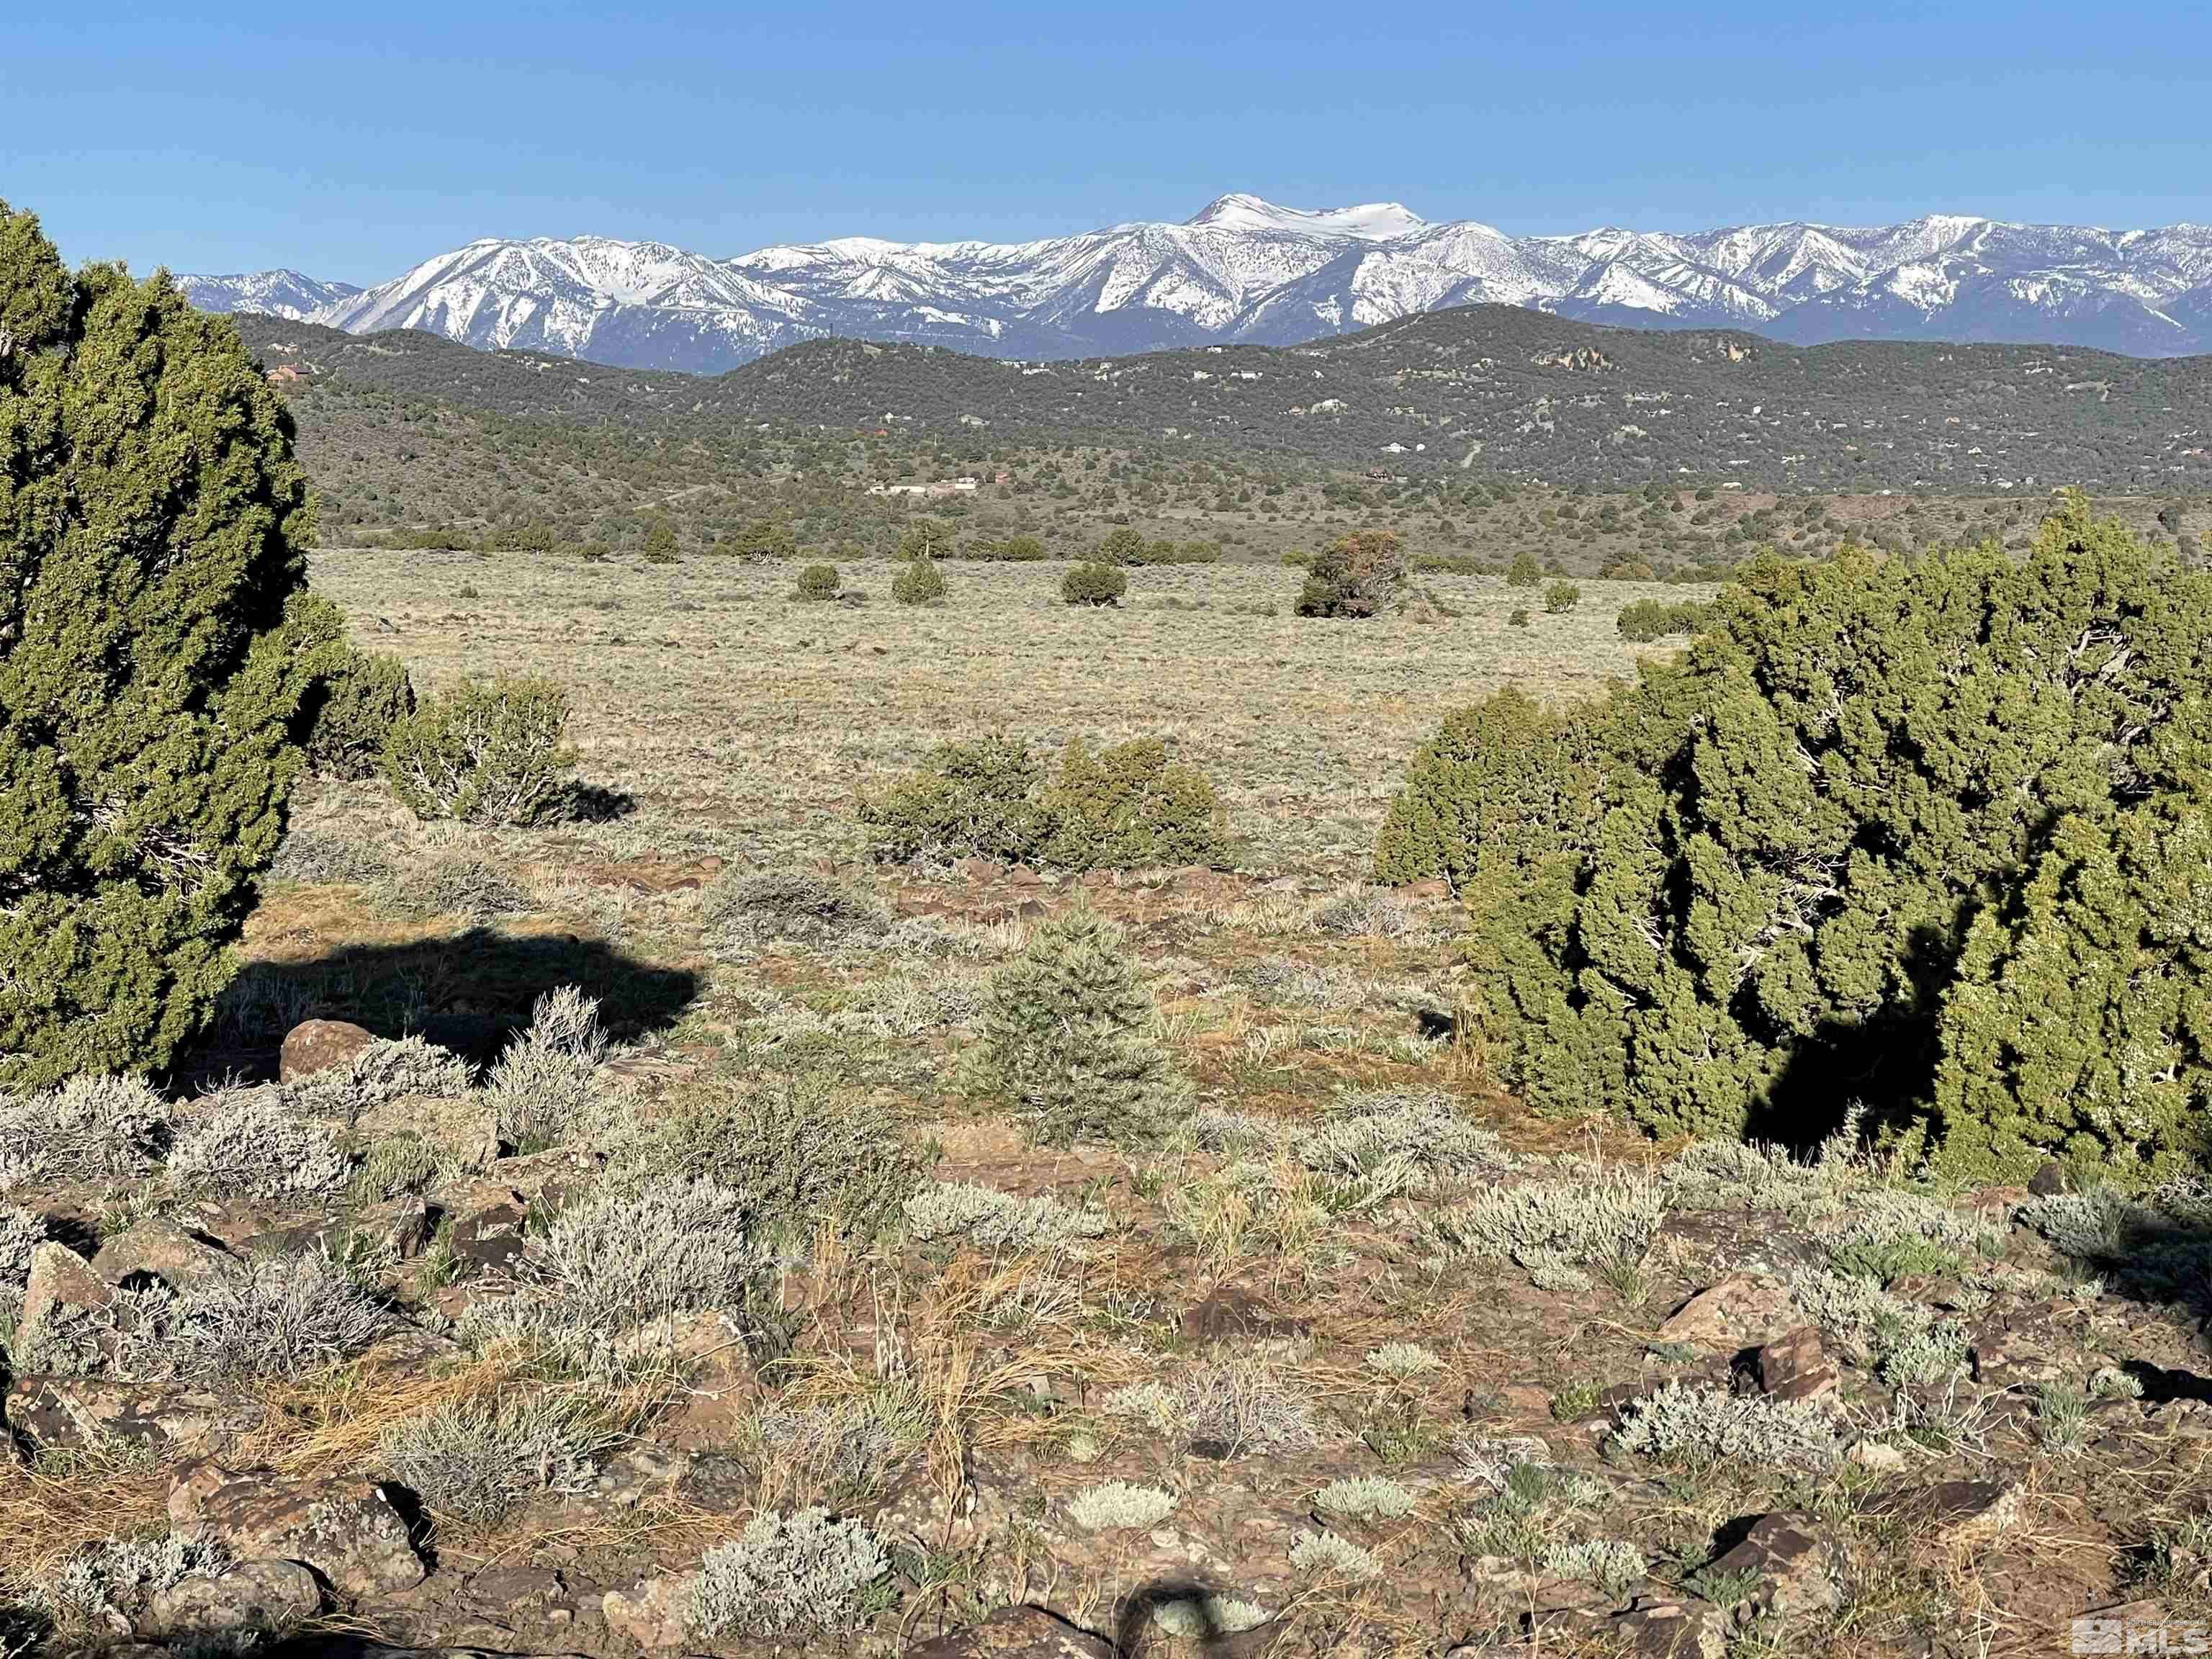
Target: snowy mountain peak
[[1369, 222], [1250, 269]]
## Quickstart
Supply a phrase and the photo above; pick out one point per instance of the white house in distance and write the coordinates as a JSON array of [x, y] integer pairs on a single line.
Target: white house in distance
[[940, 487]]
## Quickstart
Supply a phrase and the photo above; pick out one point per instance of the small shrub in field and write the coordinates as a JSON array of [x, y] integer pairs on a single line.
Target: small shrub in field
[[116, 1578], [545, 1086], [1701, 1426], [618, 1260], [1118, 1506], [484, 754], [1524, 571], [789, 1575], [271, 1317], [1366, 1498], [1124, 807], [355, 709], [918, 582], [1554, 1229], [388, 1069], [475, 1460], [1644, 620], [1560, 598], [1093, 584], [797, 1149], [740, 915], [817, 581], [90, 1129], [1130, 807], [996, 1220], [1519, 619], [1324, 1555], [1239, 1402], [1071, 1038], [254, 1147], [458, 884], [1363, 913], [1356, 575]]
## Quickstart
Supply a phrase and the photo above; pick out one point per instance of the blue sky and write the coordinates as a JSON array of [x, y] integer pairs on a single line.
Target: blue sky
[[352, 141]]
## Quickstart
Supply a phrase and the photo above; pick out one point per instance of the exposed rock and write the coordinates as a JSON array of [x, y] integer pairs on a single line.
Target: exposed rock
[[1669, 1629], [400, 1224], [61, 1283], [163, 1250], [1968, 1514], [1790, 1563], [2049, 1179], [655, 1615], [2016, 1354], [1876, 1455], [316, 1045], [1795, 1366], [254, 1596], [84, 1410], [346, 1530], [1735, 1312], [487, 1223], [1016, 1633]]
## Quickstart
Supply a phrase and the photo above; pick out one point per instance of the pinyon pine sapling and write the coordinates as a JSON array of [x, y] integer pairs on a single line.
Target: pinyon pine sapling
[[1071, 1038], [153, 662]]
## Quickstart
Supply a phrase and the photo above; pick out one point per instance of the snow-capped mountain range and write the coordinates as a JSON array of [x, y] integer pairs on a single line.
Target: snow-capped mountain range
[[1246, 270]]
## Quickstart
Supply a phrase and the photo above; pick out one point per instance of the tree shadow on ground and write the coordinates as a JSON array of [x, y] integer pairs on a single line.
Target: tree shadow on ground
[[470, 991]]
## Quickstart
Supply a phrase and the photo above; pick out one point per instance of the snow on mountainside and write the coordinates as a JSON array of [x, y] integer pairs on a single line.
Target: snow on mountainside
[[1247, 270], [283, 293]]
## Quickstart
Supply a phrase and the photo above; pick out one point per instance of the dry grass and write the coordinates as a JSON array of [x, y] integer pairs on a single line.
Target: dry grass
[[741, 719]]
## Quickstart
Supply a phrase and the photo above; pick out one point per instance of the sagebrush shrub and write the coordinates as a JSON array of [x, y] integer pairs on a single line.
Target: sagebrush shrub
[[271, 1316], [1117, 1505], [475, 1460], [254, 1146], [816, 581], [742, 913], [484, 754], [1700, 1426], [1356, 575], [798, 1150], [388, 1069], [1093, 584], [620, 1259], [789, 1575], [1124, 807], [544, 1087], [996, 1220], [1071, 1038], [1560, 598], [1555, 1229], [918, 582], [89, 1128], [156, 647]]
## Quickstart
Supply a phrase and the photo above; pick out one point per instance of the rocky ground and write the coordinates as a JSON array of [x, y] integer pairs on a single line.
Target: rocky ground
[[744, 1326]]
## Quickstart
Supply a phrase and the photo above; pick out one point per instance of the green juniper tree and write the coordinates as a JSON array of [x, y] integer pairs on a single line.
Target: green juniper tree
[[153, 657], [1926, 838]]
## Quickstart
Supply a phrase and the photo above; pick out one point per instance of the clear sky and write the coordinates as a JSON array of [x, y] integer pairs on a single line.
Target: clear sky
[[351, 142]]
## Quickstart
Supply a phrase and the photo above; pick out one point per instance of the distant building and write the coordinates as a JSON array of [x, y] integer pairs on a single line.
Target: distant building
[[939, 487]]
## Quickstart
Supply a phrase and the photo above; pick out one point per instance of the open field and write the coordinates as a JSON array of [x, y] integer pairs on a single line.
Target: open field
[[558, 1347], [742, 719]]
